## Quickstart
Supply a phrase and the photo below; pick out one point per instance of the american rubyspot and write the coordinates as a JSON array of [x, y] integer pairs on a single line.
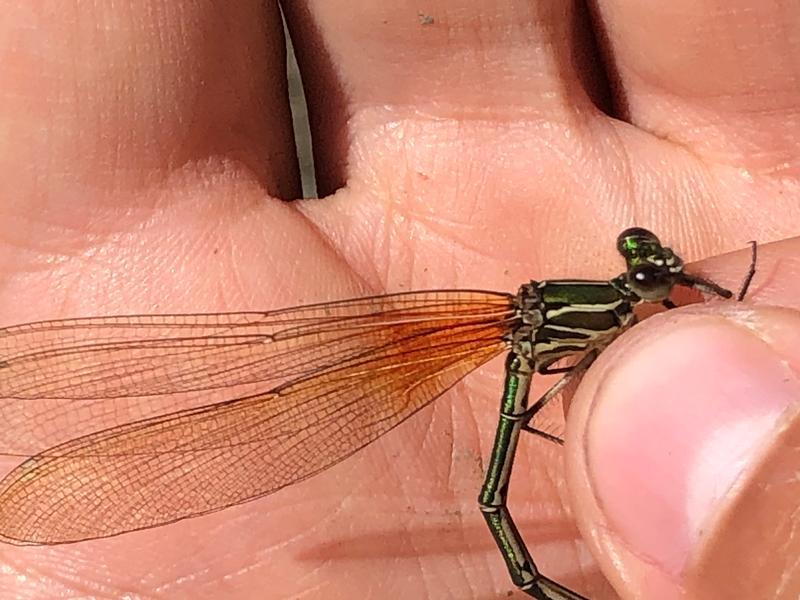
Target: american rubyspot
[[335, 377]]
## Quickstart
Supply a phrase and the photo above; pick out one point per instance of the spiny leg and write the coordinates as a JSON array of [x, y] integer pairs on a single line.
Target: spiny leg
[[574, 372], [751, 271], [494, 492]]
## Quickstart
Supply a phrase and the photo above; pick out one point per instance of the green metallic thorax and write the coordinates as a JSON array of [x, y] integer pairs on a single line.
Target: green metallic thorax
[[562, 318]]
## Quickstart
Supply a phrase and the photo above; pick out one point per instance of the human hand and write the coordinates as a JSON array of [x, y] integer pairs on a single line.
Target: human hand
[[141, 155], [684, 445]]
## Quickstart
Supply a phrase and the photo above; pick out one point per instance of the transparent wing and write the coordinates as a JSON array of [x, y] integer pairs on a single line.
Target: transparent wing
[[63, 379], [112, 357], [341, 374], [198, 460]]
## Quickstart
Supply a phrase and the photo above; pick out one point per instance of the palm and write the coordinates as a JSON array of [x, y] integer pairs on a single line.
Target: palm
[[463, 187]]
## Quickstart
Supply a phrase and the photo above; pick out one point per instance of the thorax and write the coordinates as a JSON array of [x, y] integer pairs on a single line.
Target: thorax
[[560, 318]]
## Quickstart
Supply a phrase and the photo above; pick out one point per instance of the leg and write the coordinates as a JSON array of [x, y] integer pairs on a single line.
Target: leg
[[494, 492], [554, 370], [575, 372], [750, 273]]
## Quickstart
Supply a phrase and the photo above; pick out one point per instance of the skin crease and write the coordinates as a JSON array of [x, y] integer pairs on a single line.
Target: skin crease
[[142, 149]]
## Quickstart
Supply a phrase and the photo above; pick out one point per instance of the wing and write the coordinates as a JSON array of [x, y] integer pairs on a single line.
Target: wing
[[113, 357], [199, 460], [63, 379]]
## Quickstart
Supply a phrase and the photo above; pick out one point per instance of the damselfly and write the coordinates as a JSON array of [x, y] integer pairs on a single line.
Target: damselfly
[[334, 377]]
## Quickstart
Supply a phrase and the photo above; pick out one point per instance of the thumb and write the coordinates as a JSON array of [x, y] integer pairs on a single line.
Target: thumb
[[685, 461]]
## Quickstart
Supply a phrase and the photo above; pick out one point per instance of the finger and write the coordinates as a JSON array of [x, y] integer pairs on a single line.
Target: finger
[[719, 77], [137, 146], [687, 437], [392, 74], [100, 103]]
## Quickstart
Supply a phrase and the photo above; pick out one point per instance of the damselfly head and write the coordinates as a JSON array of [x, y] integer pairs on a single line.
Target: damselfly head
[[652, 268]]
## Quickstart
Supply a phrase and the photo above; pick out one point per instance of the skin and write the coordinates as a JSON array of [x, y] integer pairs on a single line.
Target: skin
[[144, 156]]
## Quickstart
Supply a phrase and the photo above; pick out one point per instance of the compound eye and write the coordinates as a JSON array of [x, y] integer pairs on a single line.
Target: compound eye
[[634, 240], [646, 275], [650, 283]]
